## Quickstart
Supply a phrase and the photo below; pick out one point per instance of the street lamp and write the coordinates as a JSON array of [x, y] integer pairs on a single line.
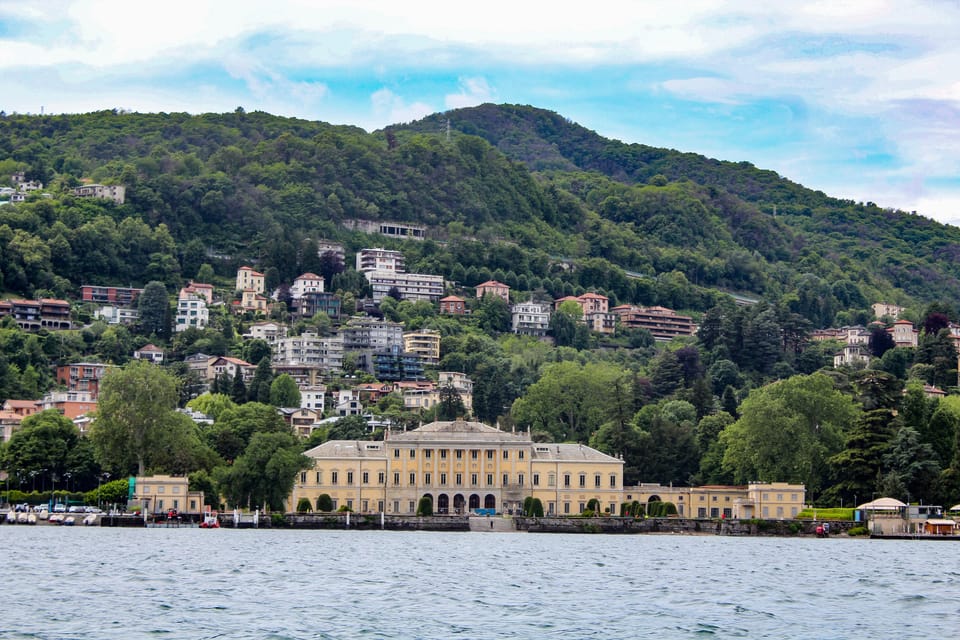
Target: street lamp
[[100, 478]]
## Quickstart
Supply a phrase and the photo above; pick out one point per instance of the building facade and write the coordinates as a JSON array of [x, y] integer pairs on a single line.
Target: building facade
[[412, 286], [425, 343], [460, 466], [494, 288], [530, 319], [247, 278], [662, 323]]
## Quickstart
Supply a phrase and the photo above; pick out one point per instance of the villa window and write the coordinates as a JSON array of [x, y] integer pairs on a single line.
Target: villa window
[[333, 477]]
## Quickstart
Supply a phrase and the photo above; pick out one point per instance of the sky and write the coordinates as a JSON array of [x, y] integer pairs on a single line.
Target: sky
[[859, 99]]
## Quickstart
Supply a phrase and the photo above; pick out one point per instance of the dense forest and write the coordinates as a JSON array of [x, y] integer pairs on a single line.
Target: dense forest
[[528, 198]]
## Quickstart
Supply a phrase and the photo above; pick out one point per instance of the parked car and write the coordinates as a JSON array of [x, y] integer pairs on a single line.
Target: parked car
[[59, 508], [40, 507], [75, 509]]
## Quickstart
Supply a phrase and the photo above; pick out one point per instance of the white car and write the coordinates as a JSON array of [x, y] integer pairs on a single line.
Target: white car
[[59, 508]]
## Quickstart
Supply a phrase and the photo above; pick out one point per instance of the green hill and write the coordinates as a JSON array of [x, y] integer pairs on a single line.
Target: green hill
[[507, 187]]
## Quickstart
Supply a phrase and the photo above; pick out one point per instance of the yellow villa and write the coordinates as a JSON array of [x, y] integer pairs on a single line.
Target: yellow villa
[[460, 466]]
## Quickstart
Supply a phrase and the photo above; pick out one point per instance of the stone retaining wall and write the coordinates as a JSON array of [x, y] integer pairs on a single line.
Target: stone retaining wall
[[679, 525]]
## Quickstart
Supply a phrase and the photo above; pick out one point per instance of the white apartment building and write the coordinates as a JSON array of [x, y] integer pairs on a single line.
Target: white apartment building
[[312, 397], [306, 283], [192, 312], [380, 260], [531, 318], [412, 286]]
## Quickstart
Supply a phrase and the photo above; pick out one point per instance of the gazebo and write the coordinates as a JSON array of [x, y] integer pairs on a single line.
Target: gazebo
[[883, 504]]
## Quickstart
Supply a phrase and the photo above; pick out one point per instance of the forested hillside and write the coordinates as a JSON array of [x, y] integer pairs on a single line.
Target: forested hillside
[[252, 185], [510, 193]]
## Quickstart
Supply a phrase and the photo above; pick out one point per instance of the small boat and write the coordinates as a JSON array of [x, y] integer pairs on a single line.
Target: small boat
[[210, 521], [90, 519], [69, 521], [56, 518], [21, 518], [11, 517]]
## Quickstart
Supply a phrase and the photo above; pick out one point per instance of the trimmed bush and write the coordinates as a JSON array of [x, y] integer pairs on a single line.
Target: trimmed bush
[[303, 505], [858, 531], [536, 508], [526, 505], [324, 502], [425, 507], [344, 509], [593, 505]]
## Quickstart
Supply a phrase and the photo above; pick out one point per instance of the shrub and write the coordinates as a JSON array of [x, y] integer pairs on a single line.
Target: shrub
[[324, 502], [593, 505], [303, 505], [588, 513], [425, 507], [277, 520], [858, 531], [536, 508], [795, 528], [344, 509], [526, 505]]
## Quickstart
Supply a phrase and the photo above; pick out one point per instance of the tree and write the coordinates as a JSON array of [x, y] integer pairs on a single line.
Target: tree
[[235, 427], [256, 350], [135, 417], [857, 467], [41, 445], [154, 308], [212, 404], [451, 404], [284, 391], [259, 390], [913, 462], [881, 341], [425, 507], [263, 476], [205, 274], [238, 390], [787, 430]]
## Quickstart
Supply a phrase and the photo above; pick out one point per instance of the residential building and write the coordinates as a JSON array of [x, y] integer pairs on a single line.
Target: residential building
[[149, 352], [312, 397], [372, 392], [304, 421], [247, 278], [494, 288], [269, 332], [460, 466], [853, 355], [425, 343], [453, 305], [601, 322], [663, 324], [205, 291], [305, 375], [881, 309], [531, 318], [123, 296], [391, 365], [305, 348], [903, 333], [161, 494], [112, 314], [380, 260], [33, 315], [362, 332], [768, 501], [71, 404], [250, 300], [22, 408], [419, 396], [311, 303], [9, 424], [192, 312], [199, 364], [411, 286], [348, 403], [220, 365], [306, 283], [115, 192], [83, 376]]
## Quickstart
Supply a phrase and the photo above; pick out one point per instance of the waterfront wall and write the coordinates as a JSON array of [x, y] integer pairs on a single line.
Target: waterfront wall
[[678, 525], [373, 521]]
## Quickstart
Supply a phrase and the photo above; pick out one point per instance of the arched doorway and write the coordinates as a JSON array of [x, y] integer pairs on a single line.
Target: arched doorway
[[490, 501], [458, 503], [443, 503], [474, 501]]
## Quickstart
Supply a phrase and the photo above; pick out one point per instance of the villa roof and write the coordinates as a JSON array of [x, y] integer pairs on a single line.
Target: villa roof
[[459, 431]]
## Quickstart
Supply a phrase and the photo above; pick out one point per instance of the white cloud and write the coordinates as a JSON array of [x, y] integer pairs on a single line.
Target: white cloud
[[389, 108], [473, 91]]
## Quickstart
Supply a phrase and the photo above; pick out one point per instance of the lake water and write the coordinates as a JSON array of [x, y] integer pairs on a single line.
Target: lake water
[[191, 583]]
